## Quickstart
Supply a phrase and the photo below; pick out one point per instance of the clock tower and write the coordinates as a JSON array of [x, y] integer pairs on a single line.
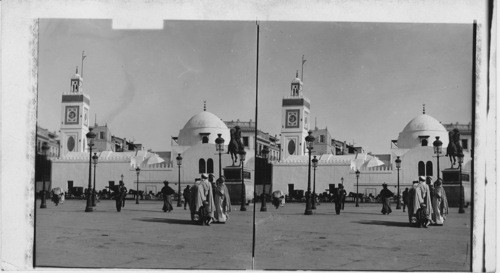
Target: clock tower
[[294, 121], [75, 107]]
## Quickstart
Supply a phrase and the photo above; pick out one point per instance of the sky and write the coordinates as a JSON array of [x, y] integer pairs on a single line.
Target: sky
[[365, 81]]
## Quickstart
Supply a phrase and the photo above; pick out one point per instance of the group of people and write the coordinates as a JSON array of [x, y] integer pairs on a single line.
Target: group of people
[[427, 204], [209, 201]]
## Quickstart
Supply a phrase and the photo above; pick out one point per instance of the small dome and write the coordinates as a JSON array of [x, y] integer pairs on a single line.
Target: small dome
[[77, 76], [423, 126], [205, 120], [297, 80], [204, 123], [424, 123]]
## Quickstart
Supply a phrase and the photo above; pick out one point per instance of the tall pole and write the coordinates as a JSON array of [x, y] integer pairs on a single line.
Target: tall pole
[[179, 189], [437, 156], [242, 208], [398, 206], [314, 189], [357, 188], [89, 195], [308, 194], [93, 190], [137, 189], [461, 205], [256, 118], [220, 165]]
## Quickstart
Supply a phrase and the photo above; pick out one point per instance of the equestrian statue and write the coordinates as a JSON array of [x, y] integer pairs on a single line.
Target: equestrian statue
[[454, 148], [235, 146]]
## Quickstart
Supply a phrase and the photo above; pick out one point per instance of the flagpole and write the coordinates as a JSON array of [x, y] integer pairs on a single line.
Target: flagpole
[[83, 58], [303, 61]]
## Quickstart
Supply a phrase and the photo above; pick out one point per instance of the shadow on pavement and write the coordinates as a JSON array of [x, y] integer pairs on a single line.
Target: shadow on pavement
[[167, 221], [385, 223]]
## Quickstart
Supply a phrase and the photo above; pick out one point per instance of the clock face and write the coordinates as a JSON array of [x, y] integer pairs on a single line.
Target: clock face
[[72, 114], [292, 118]]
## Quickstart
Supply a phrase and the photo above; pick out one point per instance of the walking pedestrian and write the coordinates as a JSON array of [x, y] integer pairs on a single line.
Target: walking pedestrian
[[120, 193], [411, 201], [385, 195], [222, 201], [343, 194], [405, 199], [167, 192], [439, 204], [186, 194], [422, 206], [337, 198]]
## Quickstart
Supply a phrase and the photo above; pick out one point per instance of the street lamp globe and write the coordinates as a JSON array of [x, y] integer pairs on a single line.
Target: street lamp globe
[[315, 162], [90, 137], [398, 162], [219, 143], [438, 146], [95, 159], [357, 173], [179, 160], [310, 140]]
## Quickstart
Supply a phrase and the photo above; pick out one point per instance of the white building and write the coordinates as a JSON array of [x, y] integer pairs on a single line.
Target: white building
[[195, 143]]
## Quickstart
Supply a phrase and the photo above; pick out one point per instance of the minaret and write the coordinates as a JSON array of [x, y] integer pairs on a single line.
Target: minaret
[[294, 120], [75, 107]]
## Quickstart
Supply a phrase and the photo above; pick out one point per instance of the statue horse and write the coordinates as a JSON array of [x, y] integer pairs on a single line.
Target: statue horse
[[454, 148], [235, 145]]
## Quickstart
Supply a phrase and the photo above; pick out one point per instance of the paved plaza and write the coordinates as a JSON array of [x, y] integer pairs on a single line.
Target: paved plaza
[[143, 236]]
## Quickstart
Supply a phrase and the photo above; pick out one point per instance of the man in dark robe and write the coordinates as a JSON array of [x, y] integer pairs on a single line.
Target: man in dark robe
[[385, 195], [167, 192]]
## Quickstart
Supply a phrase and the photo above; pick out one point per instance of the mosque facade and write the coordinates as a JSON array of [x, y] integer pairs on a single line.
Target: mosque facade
[[414, 147], [195, 143]]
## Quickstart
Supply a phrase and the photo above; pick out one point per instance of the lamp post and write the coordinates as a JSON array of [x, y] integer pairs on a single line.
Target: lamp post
[[179, 163], [90, 140], [342, 181], [95, 158], [219, 147], [438, 150], [242, 159], [398, 166], [43, 162], [121, 177], [265, 155], [310, 141], [460, 162], [315, 165], [138, 171], [357, 187]]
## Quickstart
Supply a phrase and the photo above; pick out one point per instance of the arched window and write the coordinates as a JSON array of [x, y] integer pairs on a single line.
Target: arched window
[[201, 164], [421, 168], [204, 139], [210, 166], [424, 142], [428, 168]]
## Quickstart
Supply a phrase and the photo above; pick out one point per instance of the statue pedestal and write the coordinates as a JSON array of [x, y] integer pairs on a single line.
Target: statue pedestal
[[234, 185]]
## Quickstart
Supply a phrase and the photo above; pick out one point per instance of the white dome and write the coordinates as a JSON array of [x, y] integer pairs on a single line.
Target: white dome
[[423, 125], [203, 124]]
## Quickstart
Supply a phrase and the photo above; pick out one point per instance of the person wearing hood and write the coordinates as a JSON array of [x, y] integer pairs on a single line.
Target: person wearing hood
[[422, 204], [440, 203], [222, 201]]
